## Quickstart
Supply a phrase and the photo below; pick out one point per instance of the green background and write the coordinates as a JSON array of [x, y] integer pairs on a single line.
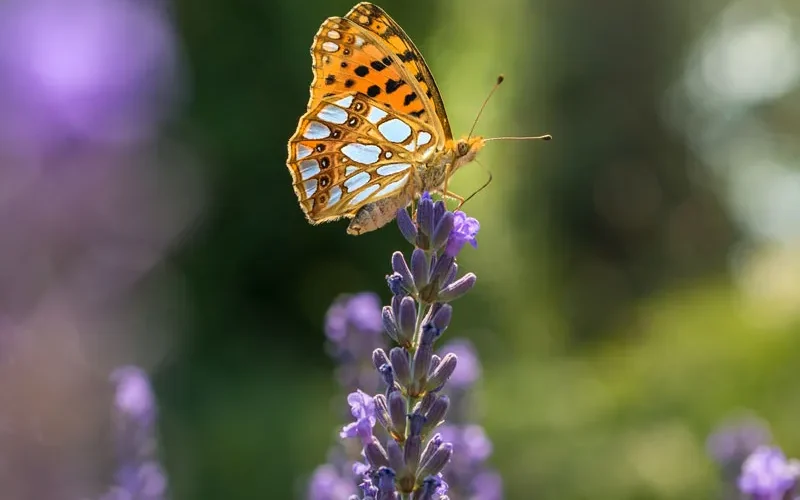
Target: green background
[[624, 305]]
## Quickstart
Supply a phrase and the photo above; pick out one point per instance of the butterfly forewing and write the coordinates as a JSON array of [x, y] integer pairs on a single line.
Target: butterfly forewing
[[350, 150], [373, 19]]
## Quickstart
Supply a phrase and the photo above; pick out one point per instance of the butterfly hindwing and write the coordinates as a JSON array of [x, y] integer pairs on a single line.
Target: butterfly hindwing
[[350, 150]]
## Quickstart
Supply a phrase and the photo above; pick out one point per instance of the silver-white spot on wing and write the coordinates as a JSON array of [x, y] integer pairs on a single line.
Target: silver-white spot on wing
[[345, 102], [355, 182], [423, 138], [350, 169], [330, 46], [311, 187], [359, 41], [395, 130], [393, 168], [333, 114], [308, 169], [393, 186], [316, 130], [336, 195], [364, 194], [410, 147], [375, 115], [366, 154], [334, 35], [303, 151]]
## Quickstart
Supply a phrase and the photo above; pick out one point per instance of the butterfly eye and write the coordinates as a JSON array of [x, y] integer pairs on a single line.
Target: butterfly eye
[[462, 148]]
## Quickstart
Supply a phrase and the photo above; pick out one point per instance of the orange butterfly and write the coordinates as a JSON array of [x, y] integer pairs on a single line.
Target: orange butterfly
[[375, 135]]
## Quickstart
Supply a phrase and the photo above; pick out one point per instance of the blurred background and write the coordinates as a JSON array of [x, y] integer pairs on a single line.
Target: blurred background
[[638, 276]]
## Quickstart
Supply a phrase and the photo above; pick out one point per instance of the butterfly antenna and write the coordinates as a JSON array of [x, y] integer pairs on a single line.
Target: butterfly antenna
[[480, 111], [485, 184], [545, 137]]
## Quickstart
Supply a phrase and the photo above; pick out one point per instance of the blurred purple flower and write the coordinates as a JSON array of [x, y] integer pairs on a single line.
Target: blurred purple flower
[[465, 230], [91, 70], [734, 441], [145, 481], [467, 473], [767, 475], [468, 370], [134, 398], [487, 486], [327, 483], [139, 475], [361, 312], [362, 406], [353, 326]]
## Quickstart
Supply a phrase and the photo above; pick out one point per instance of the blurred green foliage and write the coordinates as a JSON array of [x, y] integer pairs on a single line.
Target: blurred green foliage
[[612, 336]]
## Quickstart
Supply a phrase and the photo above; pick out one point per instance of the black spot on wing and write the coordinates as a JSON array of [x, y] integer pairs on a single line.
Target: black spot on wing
[[362, 71], [373, 91], [377, 65], [407, 56], [392, 85], [409, 98]]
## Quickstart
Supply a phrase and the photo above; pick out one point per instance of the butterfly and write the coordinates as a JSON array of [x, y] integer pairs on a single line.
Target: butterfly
[[375, 134]]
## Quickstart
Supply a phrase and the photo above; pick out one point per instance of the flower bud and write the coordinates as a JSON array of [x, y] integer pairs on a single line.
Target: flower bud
[[437, 461], [402, 369], [407, 226], [457, 288], [442, 373]]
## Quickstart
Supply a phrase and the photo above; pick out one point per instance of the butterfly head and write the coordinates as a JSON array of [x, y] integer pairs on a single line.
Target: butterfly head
[[466, 149]]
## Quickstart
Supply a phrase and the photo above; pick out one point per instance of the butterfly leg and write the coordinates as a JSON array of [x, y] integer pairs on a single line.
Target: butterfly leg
[[453, 196]]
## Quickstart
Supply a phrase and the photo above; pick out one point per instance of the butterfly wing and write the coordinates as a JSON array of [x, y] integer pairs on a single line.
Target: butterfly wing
[[414, 71], [369, 120]]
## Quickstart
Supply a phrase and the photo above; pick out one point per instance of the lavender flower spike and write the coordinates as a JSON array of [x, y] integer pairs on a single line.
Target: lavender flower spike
[[405, 458], [139, 475]]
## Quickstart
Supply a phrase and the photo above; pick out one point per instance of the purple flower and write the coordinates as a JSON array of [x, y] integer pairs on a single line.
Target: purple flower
[[361, 312], [767, 475], [328, 484], [487, 486], [364, 312], [411, 463], [468, 369], [139, 474], [467, 473], [85, 69], [465, 230], [734, 441], [353, 326], [145, 481], [134, 397], [362, 406]]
